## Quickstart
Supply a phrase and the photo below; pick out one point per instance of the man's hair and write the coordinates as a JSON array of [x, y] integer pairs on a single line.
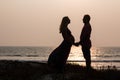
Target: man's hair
[[87, 17]]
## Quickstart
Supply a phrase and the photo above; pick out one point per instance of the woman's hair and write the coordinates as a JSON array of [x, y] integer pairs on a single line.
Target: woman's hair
[[64, 23]]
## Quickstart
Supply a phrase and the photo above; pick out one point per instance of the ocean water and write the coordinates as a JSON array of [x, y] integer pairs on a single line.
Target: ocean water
[[100, 56]]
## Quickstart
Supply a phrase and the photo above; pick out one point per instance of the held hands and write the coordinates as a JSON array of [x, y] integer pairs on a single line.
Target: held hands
[[77, 43]]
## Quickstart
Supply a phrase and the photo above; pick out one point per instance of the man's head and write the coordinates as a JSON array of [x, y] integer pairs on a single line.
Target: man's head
[[86, 18]]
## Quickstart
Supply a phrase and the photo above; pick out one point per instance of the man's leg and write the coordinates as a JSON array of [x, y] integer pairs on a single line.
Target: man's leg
[[87, 56]]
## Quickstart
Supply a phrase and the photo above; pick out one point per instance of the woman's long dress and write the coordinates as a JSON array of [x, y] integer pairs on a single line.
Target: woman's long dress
[[58, 57]]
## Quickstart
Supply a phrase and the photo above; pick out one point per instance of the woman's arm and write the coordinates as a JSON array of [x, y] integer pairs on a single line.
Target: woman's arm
[[68, 36]]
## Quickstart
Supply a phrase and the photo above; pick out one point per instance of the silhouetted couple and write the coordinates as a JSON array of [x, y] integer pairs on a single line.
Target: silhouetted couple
[[58, 57]]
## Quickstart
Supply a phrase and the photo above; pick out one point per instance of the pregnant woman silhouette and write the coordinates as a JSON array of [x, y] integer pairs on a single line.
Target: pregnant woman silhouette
[[58, 57]]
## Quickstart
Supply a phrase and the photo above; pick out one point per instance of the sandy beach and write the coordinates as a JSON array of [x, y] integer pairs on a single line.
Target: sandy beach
[[31, 70]]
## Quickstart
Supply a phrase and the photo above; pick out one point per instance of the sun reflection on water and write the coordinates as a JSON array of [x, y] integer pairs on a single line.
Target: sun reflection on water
[[76, 55]]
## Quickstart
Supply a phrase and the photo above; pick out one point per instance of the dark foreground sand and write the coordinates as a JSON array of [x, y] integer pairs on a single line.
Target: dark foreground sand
[[28, 70]]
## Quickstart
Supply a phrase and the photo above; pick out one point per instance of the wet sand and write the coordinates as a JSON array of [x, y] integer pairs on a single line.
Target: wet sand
[[32, 70]]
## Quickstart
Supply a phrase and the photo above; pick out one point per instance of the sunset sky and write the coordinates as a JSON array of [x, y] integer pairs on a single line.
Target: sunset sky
[[36, 22]]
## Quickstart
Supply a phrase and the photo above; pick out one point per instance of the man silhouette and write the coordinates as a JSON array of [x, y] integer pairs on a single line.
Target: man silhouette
[[85, 41]]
